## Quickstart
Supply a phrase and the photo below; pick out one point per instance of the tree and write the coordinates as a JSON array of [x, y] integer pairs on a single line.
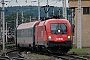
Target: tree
[[11, 19], [27, 16]]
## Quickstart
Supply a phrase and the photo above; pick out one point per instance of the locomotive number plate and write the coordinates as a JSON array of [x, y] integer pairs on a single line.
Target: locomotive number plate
[[59, 38]]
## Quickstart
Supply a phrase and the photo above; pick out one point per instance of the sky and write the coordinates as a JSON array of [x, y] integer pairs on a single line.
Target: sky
[[57, 3]]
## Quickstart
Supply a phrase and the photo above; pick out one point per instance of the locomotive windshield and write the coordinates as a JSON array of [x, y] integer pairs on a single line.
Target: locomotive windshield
[[58, 28]]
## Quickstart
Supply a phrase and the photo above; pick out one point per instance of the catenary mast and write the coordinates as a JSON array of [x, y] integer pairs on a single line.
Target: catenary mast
[[38, 10], [79, 35], [3, 25], [64, 9]]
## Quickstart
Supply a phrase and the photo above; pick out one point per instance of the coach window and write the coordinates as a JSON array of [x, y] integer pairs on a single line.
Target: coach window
[[23, 35], [29, 32], [26, 32], [18, 33]]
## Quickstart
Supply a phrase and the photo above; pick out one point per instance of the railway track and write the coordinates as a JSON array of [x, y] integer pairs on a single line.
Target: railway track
[[70, 57], [11, 53], [14, 54]]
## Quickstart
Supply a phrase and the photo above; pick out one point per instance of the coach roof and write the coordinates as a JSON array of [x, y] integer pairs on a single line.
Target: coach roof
[[27, 25]]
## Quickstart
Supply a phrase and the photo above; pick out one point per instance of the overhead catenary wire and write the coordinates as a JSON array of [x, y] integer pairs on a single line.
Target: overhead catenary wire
[[16, 0], [27, 2]]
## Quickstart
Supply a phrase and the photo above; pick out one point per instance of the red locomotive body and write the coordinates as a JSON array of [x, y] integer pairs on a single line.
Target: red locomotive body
[[52, 35]]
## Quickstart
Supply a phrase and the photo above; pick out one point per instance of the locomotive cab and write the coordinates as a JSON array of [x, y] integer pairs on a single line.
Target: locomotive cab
[[54, 34]]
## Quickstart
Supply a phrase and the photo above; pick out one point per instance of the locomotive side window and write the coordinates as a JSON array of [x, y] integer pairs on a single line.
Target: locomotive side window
[[58, 28]]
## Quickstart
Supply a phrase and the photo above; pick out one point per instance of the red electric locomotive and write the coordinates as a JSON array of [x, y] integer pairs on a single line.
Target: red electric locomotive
[[51, 35], [54, 35]]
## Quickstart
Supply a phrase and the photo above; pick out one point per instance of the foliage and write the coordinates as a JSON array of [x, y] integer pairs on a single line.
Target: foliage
[[11, 13], [11, 19], [13, 16], [28, 15]]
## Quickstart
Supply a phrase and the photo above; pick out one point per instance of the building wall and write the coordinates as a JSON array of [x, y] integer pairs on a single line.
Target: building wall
[[85, 3], [85, 22]]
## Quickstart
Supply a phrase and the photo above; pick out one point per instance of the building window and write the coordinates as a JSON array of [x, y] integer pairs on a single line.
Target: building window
[[86, 10]]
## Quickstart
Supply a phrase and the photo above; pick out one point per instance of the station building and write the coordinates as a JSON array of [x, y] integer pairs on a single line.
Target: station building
[[85, 21]]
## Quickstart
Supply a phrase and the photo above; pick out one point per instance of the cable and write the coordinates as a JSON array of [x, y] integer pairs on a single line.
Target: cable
[[16, 0], [26, 1], [42, 2]]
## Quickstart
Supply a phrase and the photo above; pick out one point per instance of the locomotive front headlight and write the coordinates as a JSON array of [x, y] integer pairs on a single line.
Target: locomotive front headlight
[[68, 37], [49, 38]]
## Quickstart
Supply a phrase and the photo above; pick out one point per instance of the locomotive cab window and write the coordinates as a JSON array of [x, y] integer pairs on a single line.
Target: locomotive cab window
[[58, 28]]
